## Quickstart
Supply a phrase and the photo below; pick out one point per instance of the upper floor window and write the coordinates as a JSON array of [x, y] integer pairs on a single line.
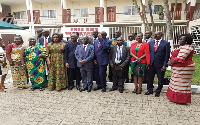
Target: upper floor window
[[131, 10], [49, 13], [81, 12], [21, 15], [156, 9]]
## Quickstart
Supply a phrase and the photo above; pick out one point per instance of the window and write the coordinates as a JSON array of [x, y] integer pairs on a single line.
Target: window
[[49, 13], [156, 8], [130, 10], [21, 15], [147, 10], [81, 12]]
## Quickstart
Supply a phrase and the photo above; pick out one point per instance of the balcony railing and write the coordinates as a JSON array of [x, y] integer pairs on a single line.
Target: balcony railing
[[8, 19]]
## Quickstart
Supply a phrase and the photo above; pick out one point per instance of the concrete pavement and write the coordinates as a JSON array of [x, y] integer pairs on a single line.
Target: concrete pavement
[[24, 107]]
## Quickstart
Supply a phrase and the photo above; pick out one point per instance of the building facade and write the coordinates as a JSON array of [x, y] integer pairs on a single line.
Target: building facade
[[115, 14]]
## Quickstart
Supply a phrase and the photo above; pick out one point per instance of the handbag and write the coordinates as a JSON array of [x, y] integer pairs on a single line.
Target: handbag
[[137, 69]]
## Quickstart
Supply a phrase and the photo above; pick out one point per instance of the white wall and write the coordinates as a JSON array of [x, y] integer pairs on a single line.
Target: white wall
[[24, 33]]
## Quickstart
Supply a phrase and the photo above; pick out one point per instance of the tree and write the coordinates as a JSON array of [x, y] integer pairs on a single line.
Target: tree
[[168, 23]]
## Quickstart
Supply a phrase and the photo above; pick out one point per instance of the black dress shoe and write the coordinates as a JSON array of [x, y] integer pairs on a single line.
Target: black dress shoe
[[83, 89], [120, 90], [77, 87], [113, 89], [89, 90], [127, 81], [157, 95], [70, 87], [148, 93], [97, 88], [103, 90]]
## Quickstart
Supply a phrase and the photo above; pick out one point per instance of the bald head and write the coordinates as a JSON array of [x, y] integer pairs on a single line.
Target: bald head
[[158, 35]]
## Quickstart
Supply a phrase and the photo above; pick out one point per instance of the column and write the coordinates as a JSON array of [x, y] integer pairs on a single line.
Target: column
[[30, 16], [101, 11], [1, 15]]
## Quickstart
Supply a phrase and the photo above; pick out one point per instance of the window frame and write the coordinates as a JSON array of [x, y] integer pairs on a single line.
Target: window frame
[[49, 14], [20, 15], [80, 14], [131, 14]]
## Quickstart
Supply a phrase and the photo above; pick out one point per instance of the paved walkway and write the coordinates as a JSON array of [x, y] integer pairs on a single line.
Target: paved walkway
[[24, 107]]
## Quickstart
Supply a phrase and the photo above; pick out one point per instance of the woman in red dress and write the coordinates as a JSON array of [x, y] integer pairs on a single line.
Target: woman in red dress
[[139, 51], [183, 68]]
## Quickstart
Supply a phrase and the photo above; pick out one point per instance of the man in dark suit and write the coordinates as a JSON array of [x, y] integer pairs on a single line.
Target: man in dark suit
[[45, 39], [84, 54], [101, 53], [71, 62], [39, 34], [119, 59], [94, 37], [159, 56]]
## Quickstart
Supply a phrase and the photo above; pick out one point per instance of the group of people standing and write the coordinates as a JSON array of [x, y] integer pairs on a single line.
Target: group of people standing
[[54, 62]]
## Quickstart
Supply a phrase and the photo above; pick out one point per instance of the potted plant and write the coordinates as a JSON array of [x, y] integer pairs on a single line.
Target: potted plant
[[14, 14], [161, 13]]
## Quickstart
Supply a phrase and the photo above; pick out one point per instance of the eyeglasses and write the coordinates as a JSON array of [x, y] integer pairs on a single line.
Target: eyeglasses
[[119, 40], [55, 37]]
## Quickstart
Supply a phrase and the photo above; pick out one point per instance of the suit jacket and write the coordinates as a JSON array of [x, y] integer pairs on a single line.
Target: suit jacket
[[161, 56], [144, 48], [41, 40], [91, 41], [101, 54], [125, 55], [69, 54], [88, 57]]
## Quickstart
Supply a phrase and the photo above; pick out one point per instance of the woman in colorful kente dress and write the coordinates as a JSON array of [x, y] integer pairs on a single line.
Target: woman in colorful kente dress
[[56, 65], [33, 59], [179, 90], [19, 74]]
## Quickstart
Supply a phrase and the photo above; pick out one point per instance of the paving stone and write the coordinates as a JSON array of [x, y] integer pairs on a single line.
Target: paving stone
[[24, 107]]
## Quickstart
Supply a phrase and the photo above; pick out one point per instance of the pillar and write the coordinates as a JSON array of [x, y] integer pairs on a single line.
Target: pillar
[[1, 15]]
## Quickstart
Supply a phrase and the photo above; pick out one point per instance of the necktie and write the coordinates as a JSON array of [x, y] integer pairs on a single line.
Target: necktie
[[119, 54], [83, 52], [94, 39], [45, 42], [99, 44], [156, 46]]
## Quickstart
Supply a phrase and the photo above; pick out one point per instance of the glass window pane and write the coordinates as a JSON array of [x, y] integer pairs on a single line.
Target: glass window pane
[[45, 14], [17, 16], [52, 13], [76, 12]]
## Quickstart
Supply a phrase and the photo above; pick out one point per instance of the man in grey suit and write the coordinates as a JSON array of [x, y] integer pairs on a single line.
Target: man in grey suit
[[84, 54], [119, 59]]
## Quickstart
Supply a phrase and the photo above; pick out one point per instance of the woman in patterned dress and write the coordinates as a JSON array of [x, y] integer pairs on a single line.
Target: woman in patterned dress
[[33, 59], [179, 90], [19, 74], [55, 61]]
